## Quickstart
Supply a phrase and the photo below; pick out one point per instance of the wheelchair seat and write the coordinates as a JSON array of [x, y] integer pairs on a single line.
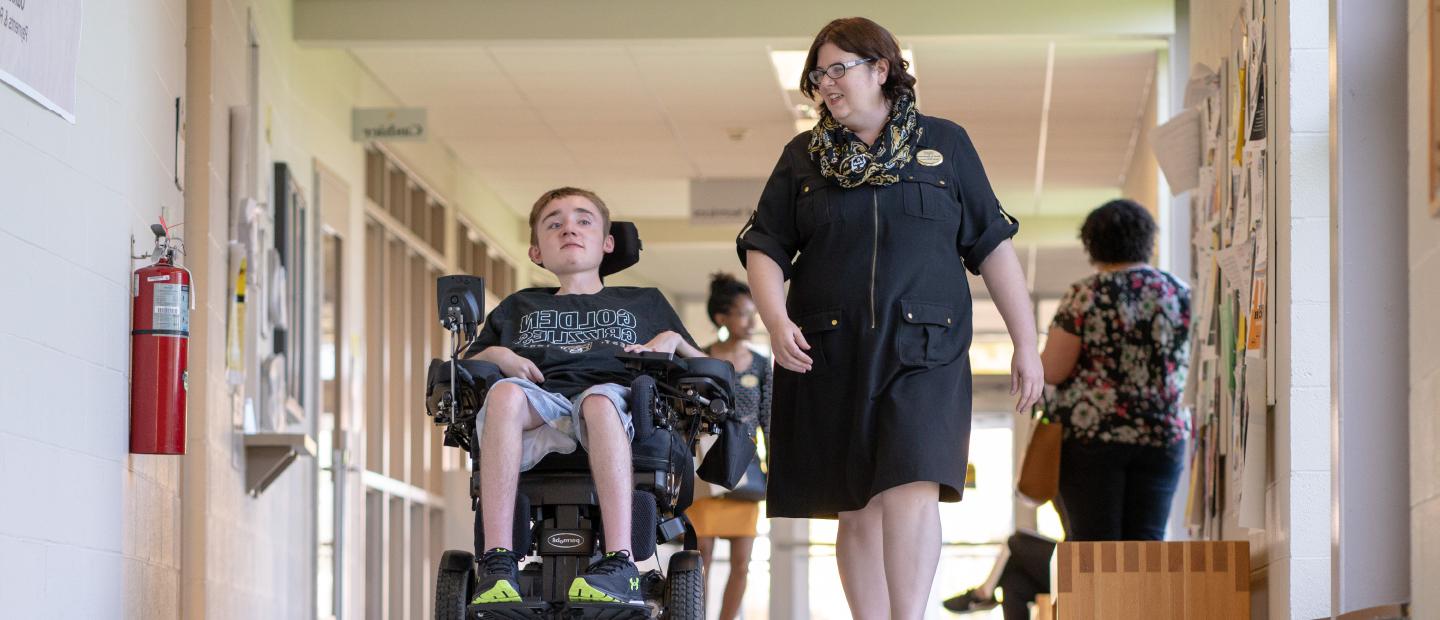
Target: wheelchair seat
[[646, 455], [577, 461]]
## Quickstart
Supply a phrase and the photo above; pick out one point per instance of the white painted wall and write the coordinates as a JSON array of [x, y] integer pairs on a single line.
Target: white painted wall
[[1424, 245], [88, 529]]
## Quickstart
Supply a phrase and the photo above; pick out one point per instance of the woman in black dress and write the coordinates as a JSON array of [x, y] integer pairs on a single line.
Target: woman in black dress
[[885, 208]]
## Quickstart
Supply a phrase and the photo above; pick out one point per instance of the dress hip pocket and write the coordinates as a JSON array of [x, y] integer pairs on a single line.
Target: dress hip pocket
[[926, 335], [816, 327]]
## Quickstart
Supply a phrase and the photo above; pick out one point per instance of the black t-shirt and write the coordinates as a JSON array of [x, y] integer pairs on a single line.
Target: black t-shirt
[[574, 339]]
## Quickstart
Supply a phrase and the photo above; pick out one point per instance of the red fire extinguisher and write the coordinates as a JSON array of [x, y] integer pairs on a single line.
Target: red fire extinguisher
[[159, 339]]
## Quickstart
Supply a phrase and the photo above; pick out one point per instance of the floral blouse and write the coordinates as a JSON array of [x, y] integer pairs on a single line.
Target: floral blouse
[[1134, 328]]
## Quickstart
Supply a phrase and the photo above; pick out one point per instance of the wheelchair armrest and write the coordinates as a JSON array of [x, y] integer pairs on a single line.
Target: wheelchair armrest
[[711, 378], [474, 378], [653, 362], [483, 373]]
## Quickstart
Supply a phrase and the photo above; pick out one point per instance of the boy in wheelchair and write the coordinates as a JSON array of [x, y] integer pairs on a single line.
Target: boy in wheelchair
[[565, 386]]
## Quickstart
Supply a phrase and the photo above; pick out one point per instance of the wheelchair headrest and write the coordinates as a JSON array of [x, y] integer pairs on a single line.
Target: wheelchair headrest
[[627, 248]]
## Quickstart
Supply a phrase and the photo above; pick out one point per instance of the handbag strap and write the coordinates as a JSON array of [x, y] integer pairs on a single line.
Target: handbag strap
[[1040, 411]]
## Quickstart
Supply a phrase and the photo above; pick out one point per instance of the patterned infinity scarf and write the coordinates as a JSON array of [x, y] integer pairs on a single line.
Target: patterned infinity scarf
[[845, 159]]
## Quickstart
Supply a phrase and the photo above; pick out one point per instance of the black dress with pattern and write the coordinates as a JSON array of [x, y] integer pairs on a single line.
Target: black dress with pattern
[[879, 290]]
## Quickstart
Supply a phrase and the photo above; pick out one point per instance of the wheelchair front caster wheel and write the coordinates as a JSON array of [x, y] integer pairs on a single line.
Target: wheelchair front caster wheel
[[685, 588], [454, 586]]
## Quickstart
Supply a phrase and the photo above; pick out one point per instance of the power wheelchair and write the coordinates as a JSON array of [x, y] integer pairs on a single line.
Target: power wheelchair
[[557, 512]]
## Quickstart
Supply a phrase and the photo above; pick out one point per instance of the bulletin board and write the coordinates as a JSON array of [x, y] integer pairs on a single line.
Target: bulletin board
[[1232, 210]]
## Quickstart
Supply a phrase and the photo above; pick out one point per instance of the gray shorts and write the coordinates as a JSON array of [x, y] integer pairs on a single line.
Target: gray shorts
[[564, 426]]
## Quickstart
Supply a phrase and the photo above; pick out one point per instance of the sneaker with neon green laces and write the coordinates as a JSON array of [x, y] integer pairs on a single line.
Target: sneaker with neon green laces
[[614, 579], [499, 578]]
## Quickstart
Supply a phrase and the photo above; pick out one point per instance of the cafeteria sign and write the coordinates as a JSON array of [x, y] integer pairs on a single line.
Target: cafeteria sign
[[39, 48], [388, 124]]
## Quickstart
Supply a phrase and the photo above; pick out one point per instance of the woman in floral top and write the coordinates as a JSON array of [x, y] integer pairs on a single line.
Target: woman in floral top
[[1117, 352]]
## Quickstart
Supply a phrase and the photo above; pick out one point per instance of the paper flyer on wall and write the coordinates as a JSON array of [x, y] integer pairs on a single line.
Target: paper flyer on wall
[[1240, 226], [1204, 83], [1235, 264], [1255, 333], [1177, 146], [1252, 479]]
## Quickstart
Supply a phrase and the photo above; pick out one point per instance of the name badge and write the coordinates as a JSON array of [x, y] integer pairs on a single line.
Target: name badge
[[929, 157]]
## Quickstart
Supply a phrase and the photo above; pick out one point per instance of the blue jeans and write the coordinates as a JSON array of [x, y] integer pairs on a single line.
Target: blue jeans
[[1117, 491]]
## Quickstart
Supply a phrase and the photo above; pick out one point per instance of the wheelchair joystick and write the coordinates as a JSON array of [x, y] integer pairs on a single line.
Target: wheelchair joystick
[[718, 408]]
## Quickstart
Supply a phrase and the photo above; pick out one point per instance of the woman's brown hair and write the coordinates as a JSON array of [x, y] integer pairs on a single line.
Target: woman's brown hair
[[867, 39]]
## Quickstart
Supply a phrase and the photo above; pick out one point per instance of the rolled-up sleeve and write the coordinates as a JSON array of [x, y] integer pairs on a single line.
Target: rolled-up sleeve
[[984, 224], [771, 228]]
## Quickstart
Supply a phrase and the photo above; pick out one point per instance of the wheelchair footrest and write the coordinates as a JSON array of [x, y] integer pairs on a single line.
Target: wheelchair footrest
[[543, 611], [507, 611], [607, 611]]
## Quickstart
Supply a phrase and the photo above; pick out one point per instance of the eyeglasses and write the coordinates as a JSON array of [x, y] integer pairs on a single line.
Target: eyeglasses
[[835, 71]]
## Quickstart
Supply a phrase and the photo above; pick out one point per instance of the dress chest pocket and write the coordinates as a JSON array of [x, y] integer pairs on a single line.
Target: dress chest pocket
[[815, 203], [931, 196]]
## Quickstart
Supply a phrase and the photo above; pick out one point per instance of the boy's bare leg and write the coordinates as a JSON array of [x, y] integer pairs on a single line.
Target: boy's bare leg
[[610, 463], [508, 415]]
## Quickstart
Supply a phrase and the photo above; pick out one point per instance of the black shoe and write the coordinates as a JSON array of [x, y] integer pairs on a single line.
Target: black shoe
[[499, 578], [970, 601], [614, 579]]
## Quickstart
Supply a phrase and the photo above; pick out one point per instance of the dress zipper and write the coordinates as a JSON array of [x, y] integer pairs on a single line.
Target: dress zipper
[[874, 252]]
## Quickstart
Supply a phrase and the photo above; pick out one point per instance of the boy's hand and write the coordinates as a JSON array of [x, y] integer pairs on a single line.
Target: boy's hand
[[512, 364], [664, 342]]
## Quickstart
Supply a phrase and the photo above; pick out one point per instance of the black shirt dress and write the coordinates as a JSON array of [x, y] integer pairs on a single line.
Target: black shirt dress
[[877, 286]]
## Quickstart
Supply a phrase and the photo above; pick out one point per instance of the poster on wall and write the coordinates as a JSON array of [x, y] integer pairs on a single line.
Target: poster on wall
[[39, 48]]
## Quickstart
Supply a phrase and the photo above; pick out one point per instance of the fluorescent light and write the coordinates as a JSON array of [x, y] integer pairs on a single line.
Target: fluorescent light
[[789, 65]]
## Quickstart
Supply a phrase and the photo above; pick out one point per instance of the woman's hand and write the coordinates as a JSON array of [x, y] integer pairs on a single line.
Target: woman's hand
[[789, 346], [1027, 378], [767, 288]]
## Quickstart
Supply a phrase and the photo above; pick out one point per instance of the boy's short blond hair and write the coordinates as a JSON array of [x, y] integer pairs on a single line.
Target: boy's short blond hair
[[565, 192]]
